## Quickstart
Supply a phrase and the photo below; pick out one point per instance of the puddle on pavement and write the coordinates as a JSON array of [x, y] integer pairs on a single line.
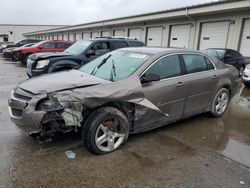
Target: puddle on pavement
[[229, 135]]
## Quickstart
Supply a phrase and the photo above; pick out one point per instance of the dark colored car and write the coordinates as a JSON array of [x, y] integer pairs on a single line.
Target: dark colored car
[[75, 56], [129, 90], [230, 57], [19, 43], [9, 52], [41, 47]]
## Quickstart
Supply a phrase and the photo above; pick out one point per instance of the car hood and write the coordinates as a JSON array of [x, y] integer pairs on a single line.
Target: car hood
[[60, 81], [49, 55]]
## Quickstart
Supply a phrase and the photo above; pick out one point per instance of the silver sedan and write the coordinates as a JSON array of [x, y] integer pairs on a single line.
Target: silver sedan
[[129, 90]]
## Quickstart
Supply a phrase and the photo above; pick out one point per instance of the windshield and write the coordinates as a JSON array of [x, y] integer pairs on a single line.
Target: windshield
[[216, 53], [78, 47], [115, 65]]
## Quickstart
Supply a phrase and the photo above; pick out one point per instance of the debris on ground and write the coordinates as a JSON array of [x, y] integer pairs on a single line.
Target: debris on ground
[[242, 182], [70, 154]]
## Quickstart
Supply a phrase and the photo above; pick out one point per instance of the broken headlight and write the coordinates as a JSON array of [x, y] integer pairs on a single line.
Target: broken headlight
[[42, 64], [49, 105]]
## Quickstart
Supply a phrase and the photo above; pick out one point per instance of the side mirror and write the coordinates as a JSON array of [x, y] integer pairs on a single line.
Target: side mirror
[[90, 53], [40, 47], [147, 78]]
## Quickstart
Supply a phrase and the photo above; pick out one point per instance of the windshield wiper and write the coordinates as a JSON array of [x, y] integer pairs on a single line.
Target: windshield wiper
[[99, 66], [113, 71]]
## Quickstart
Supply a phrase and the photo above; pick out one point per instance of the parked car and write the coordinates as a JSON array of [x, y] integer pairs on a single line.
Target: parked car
[[19, 43], [9, 52], [230, 57], [246, 76], [4, 44], [76, 55], [129, 90], [40, 47]]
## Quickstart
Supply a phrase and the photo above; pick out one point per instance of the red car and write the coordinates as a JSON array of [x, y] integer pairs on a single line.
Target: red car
[[40, 47]]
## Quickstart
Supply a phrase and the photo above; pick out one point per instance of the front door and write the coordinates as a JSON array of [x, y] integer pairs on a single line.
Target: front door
[[168, 93]]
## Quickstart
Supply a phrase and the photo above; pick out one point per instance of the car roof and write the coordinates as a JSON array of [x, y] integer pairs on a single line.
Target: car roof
[[219, 49], [113, 39], [159, 50]]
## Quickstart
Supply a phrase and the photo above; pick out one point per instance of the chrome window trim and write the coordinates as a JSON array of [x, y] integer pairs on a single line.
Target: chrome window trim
[[179, 53]]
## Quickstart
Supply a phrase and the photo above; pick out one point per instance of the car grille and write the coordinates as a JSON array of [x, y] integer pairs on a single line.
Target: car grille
[[19, 96]]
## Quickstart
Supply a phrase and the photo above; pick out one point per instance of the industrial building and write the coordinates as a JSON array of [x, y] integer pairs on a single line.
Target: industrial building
[[224, 24], [14, 32]]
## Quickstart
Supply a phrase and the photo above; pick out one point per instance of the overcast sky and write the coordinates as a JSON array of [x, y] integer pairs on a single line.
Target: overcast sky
[[69, 12]]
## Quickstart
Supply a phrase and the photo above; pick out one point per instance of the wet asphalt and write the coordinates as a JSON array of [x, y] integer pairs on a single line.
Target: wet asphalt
[[197, 152]]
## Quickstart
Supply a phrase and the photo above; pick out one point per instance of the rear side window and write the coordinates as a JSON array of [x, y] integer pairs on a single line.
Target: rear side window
[[49, 45], [166, 67], [134, 43], [196, 63], [118, 44], [63, 45]]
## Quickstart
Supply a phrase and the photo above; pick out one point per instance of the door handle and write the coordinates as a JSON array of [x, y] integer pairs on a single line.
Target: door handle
[[214, 76], [179, 84]]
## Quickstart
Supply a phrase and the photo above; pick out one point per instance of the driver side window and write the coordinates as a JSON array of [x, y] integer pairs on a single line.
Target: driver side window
[[166, 67], [49, 45], [101, 48]]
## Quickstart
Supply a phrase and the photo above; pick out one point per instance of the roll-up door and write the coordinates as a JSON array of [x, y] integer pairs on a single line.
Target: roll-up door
[[119, 32], [179, 36], [135, 33], [245, 40], [154, 36], [214, 35]]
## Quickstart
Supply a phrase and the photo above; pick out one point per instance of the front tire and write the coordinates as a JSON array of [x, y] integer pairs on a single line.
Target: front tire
[[220, 102], [106, 130], [247, 84]]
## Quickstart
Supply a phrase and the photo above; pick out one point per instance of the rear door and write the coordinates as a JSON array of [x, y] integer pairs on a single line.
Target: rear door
[[168, 94], [200, 81], [49, 47], [61, 46]]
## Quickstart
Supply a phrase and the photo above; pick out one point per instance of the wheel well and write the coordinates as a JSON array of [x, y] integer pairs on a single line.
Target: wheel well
[[127, 108], [228, 88]]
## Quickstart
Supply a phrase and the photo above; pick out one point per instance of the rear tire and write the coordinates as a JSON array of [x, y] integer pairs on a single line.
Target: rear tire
[[220, 102], [241, 71], [106, 130]]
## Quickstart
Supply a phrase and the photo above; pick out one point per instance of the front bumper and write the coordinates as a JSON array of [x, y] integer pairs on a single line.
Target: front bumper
[[7, 54], [23, 114], [246, 75]]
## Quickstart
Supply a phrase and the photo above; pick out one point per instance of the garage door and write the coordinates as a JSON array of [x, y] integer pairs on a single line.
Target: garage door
[[119, 32], [65, 37], [214, 35], [78, 36], [105, 33], [94, 34], [245, 41], [59, 37], [135, 33], [72, 37], [179, 36], [154, 36], [86, 35]]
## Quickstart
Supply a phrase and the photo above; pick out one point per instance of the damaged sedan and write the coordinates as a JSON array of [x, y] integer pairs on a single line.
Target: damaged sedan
[[130, 90]]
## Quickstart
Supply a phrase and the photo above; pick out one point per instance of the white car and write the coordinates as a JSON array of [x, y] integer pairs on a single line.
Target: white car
[[246, 76]]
